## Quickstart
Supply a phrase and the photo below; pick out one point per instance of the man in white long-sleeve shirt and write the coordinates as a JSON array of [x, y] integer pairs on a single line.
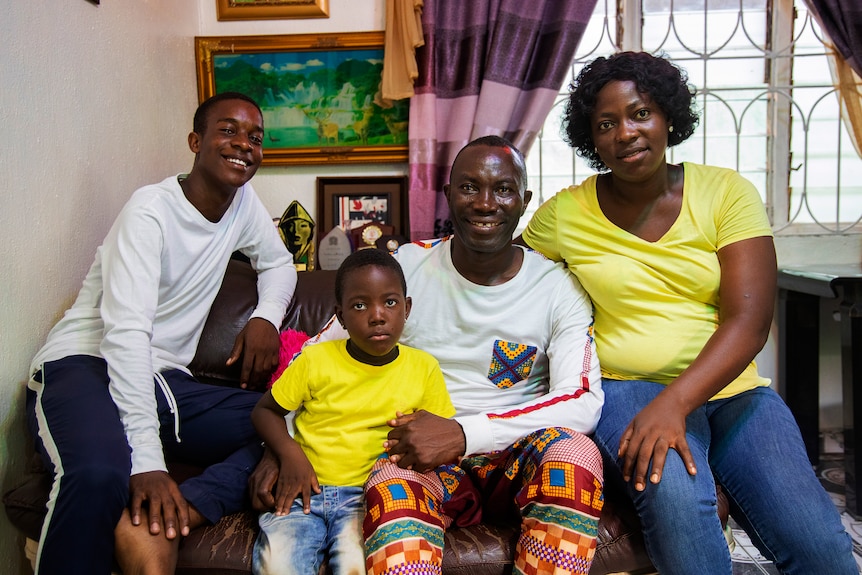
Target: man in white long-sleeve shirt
[[513, 335], [110, 393]]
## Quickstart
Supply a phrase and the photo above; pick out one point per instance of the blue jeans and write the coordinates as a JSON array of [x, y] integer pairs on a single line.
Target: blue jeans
[[749, 444], [297, 544]]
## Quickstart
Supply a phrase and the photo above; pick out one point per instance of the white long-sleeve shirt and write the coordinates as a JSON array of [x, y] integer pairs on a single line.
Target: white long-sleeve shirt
[[144, 300], [516, 357]]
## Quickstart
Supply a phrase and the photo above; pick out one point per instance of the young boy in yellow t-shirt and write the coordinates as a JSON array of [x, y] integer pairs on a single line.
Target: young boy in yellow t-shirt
[[344, 393]]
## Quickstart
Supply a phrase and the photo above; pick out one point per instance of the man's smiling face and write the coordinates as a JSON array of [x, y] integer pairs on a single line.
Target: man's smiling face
[[487, 197]]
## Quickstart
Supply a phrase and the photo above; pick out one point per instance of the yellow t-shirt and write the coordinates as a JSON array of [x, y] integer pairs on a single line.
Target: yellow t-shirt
[[656, 303], [345, 405]]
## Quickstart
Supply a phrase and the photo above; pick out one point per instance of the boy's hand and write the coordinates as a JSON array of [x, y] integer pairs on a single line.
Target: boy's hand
[[296, 477], [258, 345]]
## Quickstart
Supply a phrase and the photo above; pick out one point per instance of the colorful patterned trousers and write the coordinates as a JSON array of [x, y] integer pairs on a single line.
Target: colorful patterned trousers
[[551, 479]]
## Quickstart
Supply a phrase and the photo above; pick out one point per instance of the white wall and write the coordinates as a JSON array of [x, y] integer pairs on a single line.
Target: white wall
[[96, 101]]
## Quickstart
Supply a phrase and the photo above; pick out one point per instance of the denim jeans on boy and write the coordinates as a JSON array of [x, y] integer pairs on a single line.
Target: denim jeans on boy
[[750, 444], [297, 544]]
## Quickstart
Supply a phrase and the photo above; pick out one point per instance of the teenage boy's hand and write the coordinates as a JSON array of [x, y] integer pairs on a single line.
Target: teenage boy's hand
[[258, 345], [262, 481], [166, 505]]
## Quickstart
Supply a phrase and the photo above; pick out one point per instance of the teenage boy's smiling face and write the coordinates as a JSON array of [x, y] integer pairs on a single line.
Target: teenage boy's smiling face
[[231, 148], [373, 308]]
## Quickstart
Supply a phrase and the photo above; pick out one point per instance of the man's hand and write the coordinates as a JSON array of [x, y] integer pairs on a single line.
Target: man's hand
[[258, 345], [166, 506], [262, 481], [422, 441]]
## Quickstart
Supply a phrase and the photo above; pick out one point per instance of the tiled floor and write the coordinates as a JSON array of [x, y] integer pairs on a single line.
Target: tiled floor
[[748, 561]]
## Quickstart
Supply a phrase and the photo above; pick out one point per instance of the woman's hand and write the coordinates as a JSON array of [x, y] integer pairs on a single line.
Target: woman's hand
[[660, 426]]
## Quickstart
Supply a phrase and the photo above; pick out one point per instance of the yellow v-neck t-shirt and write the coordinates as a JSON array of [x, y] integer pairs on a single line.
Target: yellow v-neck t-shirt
[[656, 303]]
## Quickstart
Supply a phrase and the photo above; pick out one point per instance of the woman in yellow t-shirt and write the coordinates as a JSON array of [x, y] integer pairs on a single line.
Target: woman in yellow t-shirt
[[680, 265]]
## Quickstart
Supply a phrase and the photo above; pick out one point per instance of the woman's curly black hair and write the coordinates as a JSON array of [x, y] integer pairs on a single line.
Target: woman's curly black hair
[[666, 84]]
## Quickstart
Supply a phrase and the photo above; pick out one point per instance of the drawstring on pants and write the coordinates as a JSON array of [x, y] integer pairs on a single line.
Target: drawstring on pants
[[172, 404]]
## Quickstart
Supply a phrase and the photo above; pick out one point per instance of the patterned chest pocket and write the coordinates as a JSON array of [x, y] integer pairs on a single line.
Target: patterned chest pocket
[[510, 363]]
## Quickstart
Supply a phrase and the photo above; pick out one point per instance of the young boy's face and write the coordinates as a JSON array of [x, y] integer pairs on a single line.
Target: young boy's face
[[373, 308]]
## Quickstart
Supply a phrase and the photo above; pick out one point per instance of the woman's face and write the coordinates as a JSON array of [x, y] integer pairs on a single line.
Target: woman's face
[[629, 131]]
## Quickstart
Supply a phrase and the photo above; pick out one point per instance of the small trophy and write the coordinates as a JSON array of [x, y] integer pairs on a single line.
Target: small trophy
[[296, 229]]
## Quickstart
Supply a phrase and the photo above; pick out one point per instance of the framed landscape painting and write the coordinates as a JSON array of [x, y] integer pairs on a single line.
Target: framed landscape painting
[[271, 9], [318, 94]]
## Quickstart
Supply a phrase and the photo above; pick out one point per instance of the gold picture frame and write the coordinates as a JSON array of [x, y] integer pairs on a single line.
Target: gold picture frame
[[317, 93], [271, 9]]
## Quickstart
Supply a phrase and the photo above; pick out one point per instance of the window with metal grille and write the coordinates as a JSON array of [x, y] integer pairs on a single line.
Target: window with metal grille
[[768, 105]]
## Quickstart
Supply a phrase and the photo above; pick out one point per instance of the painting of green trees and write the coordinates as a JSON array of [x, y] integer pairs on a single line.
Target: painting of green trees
[[316, 98]]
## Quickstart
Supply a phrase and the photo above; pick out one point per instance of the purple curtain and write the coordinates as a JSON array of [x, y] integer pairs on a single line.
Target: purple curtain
[[487, 67], [842, 22]]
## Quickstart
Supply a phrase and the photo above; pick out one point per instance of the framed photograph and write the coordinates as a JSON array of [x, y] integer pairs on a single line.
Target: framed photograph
[[317, 93], [351, 202], [271, 9]]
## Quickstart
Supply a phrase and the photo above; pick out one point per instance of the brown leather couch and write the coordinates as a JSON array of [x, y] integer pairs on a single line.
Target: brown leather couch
[[225, 548]]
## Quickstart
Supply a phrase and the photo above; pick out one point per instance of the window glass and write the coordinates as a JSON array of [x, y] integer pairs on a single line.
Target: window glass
[[768, 110]]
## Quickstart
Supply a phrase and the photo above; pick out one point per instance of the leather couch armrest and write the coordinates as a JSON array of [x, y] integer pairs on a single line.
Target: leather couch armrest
[[312, 305]]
